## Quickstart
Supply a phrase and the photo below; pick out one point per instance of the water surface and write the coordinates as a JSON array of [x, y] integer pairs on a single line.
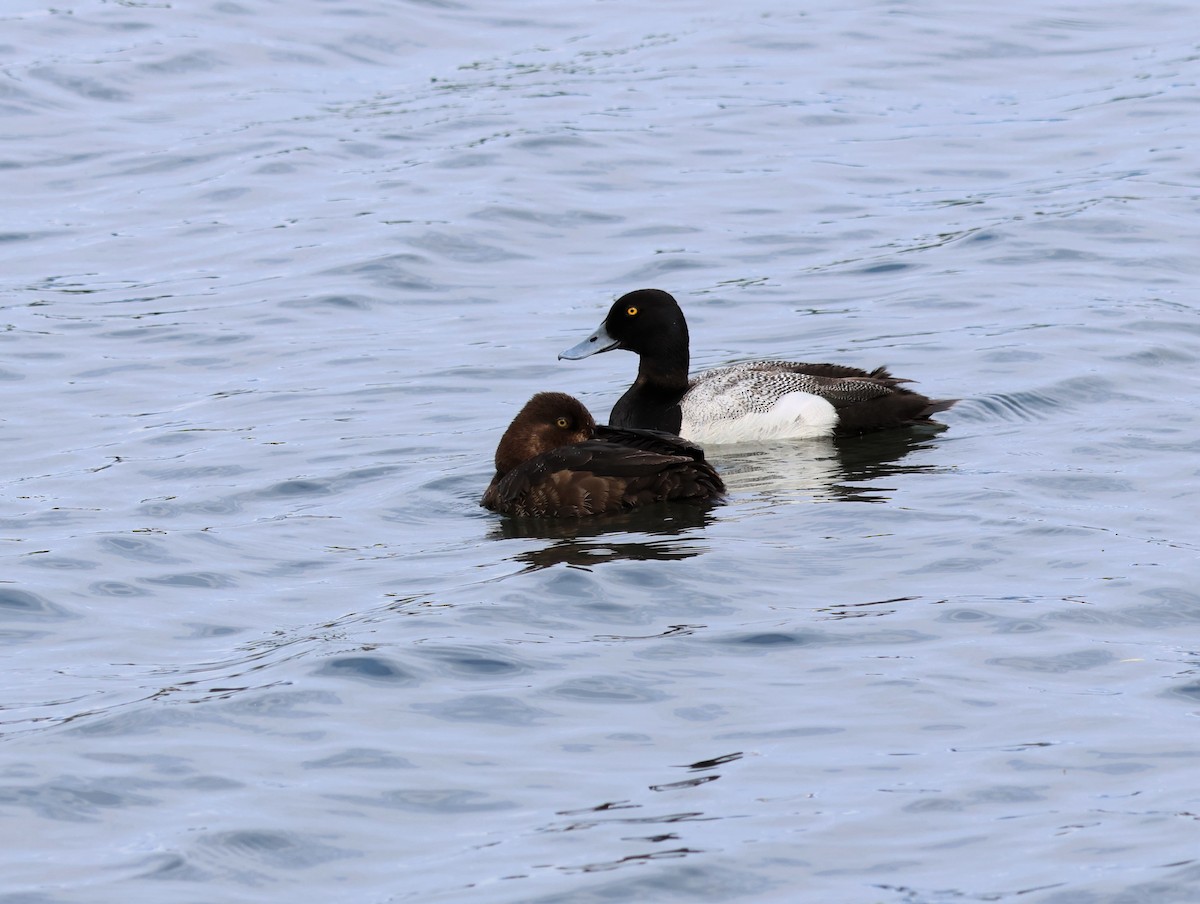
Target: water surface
[[276, 276]]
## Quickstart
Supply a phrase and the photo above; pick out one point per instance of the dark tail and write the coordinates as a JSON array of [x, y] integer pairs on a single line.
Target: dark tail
[[934, 406]]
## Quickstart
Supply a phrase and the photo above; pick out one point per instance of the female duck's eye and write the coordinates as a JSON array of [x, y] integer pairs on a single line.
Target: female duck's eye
[[562, 422], [631, 311]]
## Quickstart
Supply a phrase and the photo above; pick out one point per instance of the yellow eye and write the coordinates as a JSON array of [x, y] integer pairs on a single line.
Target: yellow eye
[[562, 422], [631, 311]]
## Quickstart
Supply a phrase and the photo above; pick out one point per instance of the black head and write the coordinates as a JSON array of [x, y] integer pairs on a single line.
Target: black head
[[646, 319], [548, 420]]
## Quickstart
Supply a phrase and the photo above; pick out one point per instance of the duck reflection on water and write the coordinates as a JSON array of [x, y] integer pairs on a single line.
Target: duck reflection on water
[[821, 470]]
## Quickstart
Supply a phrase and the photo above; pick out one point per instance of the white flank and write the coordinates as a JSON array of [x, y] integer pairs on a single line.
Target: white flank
[[797, 415]]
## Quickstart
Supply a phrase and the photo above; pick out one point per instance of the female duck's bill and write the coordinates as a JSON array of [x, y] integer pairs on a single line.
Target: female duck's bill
[[756, 400], [555, 462]]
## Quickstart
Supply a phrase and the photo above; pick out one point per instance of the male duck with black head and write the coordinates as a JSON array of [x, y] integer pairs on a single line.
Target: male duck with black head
[[555, 462], [757, 400]]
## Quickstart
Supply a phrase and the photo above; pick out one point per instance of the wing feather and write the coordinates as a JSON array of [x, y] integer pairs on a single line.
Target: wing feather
[[597, 477]]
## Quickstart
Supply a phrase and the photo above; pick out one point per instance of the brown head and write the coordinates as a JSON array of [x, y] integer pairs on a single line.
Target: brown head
[[548, 420]]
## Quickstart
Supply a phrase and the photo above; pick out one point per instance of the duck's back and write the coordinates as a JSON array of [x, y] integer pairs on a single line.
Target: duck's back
[[760, 400]]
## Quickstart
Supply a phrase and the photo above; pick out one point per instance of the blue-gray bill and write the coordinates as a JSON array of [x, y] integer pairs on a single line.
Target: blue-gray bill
[[599, 341]]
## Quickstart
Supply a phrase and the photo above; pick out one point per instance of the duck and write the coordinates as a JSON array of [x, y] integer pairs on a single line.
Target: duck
[[747, 402], [554, 461]]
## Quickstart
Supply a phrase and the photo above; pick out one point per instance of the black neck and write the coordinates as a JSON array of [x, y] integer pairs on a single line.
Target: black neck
[[667, 369]]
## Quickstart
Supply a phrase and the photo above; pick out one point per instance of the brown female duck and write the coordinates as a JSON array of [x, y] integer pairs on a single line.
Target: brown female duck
[[555, 462]]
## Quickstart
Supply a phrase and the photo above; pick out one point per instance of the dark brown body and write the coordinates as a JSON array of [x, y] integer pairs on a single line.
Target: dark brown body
[[554, 462]]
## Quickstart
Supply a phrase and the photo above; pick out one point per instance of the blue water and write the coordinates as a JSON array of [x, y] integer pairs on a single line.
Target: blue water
[[277, 275]]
